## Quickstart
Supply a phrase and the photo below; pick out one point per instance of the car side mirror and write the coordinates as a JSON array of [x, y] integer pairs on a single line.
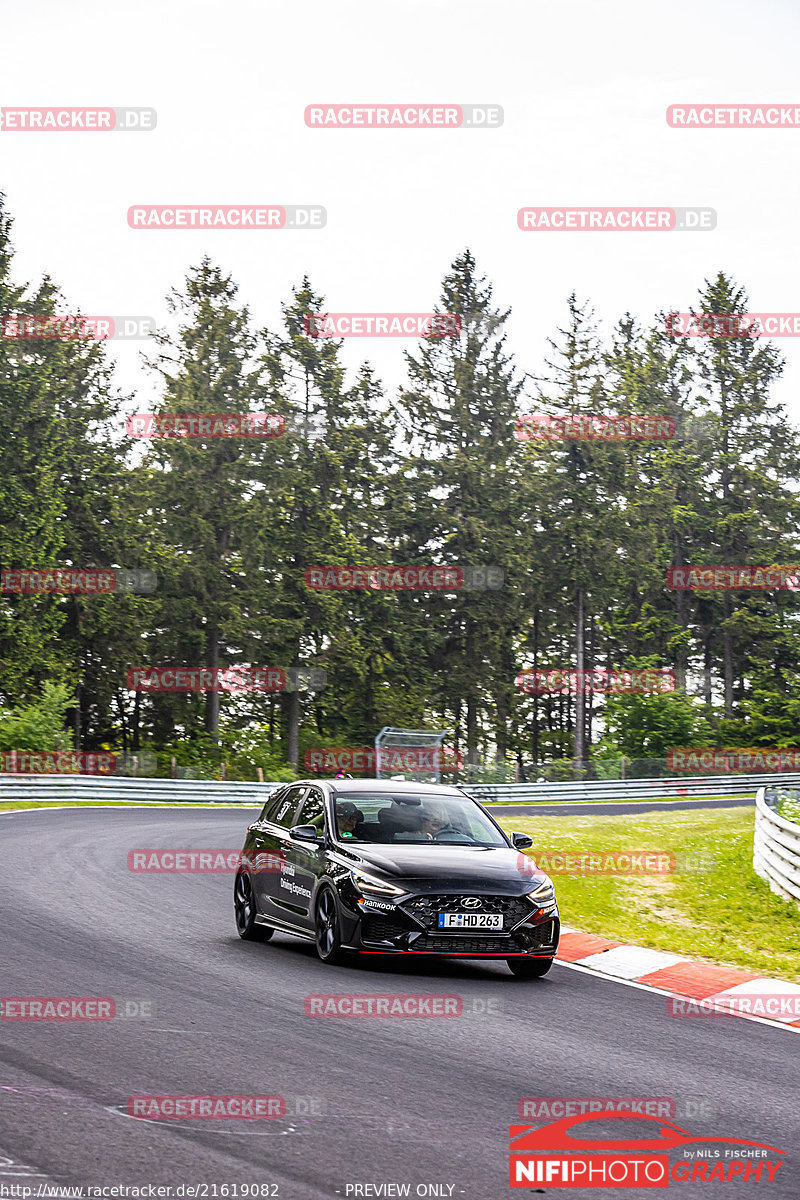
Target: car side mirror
[[307, 833], [521, 841]]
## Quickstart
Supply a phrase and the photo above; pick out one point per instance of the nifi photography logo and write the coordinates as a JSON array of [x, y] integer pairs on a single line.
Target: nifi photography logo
[[578, 1151]]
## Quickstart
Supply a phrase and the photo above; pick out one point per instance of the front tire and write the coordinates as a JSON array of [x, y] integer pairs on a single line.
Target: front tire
[[327, 930], [244, 909], [529, 968]]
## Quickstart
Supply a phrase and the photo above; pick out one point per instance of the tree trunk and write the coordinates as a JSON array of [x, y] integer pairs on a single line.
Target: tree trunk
[[472, 704], [709, 633], [727, 657], [472, 731], [136, 724], [212, 698], [681, 658], [501, 728], [590, 703], [77, 720], [535, 719], [123, 722], [294, 727], [579, 752]]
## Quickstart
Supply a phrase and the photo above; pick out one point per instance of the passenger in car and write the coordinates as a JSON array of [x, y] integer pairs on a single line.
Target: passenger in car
[[397, 820]]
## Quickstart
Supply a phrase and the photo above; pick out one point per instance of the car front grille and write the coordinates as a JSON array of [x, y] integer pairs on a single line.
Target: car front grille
[[467, 945], [426, 909]]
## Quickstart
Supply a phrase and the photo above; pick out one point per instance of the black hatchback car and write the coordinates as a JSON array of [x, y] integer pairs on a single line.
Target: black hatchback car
[[385, 867]]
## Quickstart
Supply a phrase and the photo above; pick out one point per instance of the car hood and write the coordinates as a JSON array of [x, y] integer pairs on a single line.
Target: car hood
[[482, 869]]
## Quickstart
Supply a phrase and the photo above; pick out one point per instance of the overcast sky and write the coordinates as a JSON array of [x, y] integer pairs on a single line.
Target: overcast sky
[[584, 87]]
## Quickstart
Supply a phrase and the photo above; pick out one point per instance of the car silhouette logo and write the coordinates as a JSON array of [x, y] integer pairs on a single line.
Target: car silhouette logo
[[556, 1136], [472, 902]]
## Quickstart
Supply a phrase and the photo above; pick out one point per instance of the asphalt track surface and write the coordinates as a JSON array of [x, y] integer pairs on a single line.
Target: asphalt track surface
[[369, 1101]]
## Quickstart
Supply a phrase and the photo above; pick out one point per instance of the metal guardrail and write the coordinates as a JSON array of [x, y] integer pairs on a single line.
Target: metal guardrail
[[776, 849], [92, 789], [608, 790]]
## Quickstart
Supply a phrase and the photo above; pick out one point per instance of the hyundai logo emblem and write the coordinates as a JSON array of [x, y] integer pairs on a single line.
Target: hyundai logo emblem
[[472, 902]]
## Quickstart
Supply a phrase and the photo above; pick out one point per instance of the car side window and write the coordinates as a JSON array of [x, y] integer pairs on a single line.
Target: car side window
[[272, 800], [313, 811], [283, 810]]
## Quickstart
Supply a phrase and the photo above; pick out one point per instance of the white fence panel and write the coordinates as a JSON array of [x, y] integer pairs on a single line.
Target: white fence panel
[[776, 849]]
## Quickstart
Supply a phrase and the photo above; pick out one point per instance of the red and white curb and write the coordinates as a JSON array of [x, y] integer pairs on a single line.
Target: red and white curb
[[673, 975]]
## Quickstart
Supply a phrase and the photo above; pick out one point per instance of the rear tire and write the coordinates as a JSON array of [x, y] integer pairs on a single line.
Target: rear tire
[[529, 968], [244, 909], [327, 931]]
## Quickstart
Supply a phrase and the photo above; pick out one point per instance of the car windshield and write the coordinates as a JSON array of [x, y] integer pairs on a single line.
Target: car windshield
[[415, 819]]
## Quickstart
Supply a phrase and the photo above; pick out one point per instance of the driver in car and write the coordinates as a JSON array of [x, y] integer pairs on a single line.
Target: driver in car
[[434, 821]]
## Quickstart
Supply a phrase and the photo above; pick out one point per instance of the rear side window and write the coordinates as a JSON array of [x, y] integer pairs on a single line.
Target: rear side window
[[273, 800], [283, 808]]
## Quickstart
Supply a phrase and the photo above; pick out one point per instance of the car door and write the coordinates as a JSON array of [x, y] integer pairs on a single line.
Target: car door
[[270, 836], [305, 861]]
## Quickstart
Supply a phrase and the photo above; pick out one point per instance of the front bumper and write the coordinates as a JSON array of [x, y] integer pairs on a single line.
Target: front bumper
[[409, 927]]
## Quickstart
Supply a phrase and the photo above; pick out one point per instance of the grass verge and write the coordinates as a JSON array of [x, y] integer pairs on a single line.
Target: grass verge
[[713, 906]]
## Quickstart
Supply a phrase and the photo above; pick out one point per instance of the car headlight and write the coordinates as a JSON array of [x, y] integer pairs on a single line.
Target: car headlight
[[543, 894], [371, 886]]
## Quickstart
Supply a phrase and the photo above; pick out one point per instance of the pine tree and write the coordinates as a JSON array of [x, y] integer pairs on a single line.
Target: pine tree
[[459, 414]]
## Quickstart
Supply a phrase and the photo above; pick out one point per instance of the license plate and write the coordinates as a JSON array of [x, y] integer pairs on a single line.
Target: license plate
[[470, 920]]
